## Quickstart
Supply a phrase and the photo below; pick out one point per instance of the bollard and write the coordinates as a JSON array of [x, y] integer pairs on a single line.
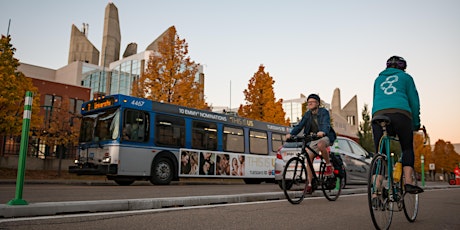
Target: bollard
[[23, 151], [422, 158]]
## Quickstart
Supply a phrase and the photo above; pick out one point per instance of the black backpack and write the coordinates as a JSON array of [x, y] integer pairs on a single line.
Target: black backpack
[[337, 162]]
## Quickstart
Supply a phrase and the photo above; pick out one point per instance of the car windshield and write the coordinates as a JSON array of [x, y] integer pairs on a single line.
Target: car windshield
[[101, 126]]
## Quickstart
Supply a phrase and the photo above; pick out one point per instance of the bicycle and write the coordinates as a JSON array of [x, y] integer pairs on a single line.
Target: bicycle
[[294, 181], [385, 194]]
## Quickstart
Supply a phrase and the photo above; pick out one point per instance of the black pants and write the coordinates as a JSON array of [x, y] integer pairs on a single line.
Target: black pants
[[400, 126]]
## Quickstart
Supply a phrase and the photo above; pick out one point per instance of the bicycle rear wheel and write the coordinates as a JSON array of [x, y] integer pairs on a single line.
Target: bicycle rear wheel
[[410, 202], [294, 180], [331, 186], [380, 207]]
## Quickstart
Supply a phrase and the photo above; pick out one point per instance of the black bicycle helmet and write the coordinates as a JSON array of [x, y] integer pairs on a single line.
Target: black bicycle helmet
[[314, 96], [397, 62]]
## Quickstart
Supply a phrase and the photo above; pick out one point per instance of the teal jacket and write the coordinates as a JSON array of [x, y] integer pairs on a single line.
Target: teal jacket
[[395, 89]]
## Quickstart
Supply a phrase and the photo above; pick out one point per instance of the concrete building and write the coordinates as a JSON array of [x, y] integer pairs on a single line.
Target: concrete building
[[345, 118], [81, 49], [87, 74], [111, 36], [113, 75]]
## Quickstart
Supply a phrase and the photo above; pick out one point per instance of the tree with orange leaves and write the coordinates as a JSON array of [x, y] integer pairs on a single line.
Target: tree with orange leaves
[[260, 99], [445, 157], [13, 92], [62, 128], [422, 147], [171, 75]]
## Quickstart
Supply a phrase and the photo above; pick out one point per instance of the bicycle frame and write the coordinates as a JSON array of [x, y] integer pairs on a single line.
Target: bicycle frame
[[296, 166], [385, 195], [305, 154], [385, 145]]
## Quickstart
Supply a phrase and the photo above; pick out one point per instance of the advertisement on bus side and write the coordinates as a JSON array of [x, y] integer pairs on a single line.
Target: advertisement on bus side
[[203, 163]]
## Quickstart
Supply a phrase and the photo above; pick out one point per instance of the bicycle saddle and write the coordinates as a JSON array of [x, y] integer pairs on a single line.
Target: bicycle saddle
[[381, 120]]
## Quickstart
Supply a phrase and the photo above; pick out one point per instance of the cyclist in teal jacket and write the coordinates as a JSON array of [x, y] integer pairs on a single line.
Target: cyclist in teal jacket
[[396, 97]]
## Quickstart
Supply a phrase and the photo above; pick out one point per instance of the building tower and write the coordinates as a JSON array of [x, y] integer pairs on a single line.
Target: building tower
[[81, 49], [111, 37], [346, 118]]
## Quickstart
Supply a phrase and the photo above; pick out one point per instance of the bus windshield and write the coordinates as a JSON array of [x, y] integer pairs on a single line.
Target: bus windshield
[[101, 126]]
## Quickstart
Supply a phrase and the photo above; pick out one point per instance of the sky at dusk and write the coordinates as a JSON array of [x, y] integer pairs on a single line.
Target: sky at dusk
[[306, 46]]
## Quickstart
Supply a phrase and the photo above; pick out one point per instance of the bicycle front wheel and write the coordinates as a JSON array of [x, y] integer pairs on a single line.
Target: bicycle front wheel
[[294, 180], [410, 202], [331, 185], [380, 206]]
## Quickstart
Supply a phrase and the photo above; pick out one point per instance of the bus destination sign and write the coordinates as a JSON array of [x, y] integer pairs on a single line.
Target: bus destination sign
[[97, 104]]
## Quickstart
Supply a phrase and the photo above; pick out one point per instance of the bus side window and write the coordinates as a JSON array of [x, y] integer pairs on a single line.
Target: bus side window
[[134, 128], [169, 131], [258, 142], [204, 135], [126, 134], [233, 139]]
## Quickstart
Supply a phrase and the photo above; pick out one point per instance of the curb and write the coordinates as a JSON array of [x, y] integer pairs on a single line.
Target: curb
[[72, 207]]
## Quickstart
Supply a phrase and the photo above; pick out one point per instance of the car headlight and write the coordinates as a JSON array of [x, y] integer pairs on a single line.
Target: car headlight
[[106, 159]]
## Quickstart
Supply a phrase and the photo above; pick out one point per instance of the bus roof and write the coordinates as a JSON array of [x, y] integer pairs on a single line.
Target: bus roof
[[125, 101]]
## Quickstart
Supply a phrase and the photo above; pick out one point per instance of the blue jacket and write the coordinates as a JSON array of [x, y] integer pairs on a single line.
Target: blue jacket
[[324, 124], [395, 89]]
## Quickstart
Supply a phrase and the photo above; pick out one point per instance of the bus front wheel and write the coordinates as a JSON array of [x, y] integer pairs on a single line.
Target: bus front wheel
[[124, 182], [162, 171]]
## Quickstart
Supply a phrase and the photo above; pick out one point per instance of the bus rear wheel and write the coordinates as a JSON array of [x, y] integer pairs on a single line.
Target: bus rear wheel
[[252, 181], [162, 171]]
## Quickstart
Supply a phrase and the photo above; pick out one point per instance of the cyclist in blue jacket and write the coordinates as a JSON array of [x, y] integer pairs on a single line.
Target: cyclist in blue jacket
[[396, 97], [317, 121]]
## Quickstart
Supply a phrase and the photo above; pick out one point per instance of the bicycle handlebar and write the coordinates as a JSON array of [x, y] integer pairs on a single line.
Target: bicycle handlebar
[[307, 137]]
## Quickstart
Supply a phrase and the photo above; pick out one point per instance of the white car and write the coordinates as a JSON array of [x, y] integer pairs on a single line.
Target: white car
[[356, 160]]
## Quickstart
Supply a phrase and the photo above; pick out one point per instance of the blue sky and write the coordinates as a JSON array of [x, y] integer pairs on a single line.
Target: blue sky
[[306, 46]]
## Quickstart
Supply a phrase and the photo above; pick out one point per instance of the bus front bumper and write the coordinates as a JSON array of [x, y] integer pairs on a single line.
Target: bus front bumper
[[93, 169]]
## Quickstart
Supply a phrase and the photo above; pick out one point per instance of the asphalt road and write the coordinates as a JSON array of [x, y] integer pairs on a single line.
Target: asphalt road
[[64, 197], [438, 210]]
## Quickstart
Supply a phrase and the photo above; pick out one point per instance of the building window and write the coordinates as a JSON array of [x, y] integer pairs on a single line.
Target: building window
[[75, 105], [52, 101], [351, 120]]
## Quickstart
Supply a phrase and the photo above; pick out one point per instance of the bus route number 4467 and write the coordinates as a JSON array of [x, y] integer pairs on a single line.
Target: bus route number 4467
[[137, 103]]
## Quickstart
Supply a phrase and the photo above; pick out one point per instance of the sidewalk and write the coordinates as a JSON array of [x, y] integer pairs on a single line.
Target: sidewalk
[[68, 207]]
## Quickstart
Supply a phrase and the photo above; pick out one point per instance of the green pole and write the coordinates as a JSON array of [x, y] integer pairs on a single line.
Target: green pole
[[23, 151], [423, 170]]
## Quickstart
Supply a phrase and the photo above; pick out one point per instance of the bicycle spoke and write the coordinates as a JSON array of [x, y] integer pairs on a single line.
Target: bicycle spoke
[[380, 207], [410, 202], [294, 180], [331, 186]]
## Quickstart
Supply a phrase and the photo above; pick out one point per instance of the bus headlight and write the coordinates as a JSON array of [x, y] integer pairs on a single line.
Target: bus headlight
[[76, 161]]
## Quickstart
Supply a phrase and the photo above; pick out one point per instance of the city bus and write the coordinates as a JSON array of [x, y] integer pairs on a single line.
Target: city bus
[[127, 139]]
